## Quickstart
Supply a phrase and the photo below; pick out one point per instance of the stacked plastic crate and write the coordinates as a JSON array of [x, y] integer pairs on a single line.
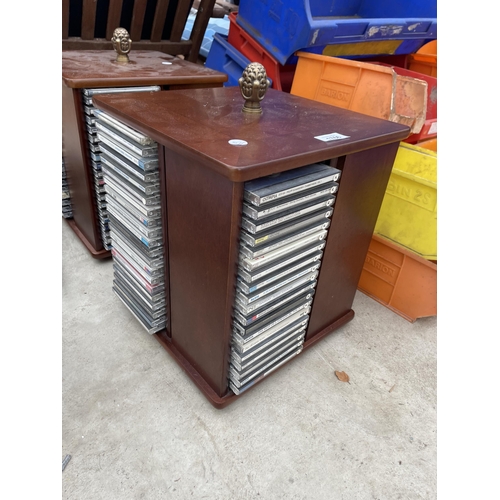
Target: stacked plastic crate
[[272, 32], [232, 53], [400, 269]]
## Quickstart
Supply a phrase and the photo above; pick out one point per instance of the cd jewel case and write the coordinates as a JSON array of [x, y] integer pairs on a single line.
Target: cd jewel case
[[128, 163], [284, 230], [95, 148]]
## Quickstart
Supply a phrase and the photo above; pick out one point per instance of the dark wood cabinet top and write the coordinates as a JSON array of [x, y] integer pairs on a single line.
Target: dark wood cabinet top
[[98, 68], [199, 123]]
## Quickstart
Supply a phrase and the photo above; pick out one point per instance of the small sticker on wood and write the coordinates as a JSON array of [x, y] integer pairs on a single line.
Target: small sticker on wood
[[334, 136], [237, 142]]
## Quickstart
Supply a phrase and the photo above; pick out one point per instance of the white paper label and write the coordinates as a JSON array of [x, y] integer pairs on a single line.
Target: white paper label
[[433, 128], [237, 142], [334, 136]]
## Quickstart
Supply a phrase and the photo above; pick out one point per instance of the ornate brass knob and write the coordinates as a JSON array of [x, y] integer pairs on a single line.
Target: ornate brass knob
[[122, 43], [253, 86]]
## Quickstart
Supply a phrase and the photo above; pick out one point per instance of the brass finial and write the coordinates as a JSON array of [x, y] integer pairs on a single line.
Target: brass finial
[[122, 43], [253, 86]]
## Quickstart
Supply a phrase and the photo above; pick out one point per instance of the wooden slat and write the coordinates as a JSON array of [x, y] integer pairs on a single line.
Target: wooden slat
[[75, 43], [137, 19], [65, 19], [88, 19], [175, 46], [183, 8], [166, 46], [200, 25], [179, 48], [114, 13], [159, 20]]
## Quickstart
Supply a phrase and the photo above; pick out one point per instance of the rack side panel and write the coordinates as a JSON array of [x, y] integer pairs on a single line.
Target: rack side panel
[[203, 214], [362, 187], [76, 161]]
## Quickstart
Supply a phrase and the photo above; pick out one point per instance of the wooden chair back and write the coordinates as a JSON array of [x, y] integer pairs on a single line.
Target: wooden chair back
[[152, 24]]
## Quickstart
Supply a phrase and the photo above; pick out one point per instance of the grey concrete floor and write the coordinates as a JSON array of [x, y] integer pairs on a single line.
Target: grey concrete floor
[[138, 428]]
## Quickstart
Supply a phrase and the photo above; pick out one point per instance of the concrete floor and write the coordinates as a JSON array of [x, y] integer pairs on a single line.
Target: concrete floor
[[138, 428]]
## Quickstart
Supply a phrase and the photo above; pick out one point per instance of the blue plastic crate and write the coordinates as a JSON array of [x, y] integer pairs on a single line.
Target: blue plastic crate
[[320, 26], [215, 25], [225, 58]]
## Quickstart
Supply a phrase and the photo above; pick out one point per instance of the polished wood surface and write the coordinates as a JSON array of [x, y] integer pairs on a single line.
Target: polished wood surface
[[203, 216], [200, 122], [203, 179], [98, 68]]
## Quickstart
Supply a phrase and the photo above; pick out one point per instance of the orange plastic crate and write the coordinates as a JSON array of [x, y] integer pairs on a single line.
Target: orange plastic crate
[[371, 89], [425, 59], [429, 129], [399, 279], [431, 144]]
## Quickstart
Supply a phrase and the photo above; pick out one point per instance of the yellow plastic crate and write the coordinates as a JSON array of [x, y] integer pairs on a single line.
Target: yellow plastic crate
[[408, 215]]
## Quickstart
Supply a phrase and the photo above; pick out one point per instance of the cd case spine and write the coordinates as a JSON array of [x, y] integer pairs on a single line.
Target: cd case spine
[[132, 194], [284, 230]]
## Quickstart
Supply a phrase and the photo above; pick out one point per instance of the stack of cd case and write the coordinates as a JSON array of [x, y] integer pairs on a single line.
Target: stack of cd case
[[129, 165], [95, 153], [67, 211], [284, 226]]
